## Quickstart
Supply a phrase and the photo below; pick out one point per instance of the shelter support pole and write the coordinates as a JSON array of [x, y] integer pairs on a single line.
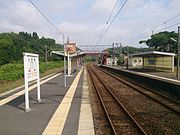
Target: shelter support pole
[[143, 62], [68, 65], [172, 64], [38, 83], [64, 63], [177, 75], [77, 62]]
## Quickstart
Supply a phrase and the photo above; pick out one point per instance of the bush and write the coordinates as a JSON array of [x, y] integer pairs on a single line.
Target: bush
[[13, 72]]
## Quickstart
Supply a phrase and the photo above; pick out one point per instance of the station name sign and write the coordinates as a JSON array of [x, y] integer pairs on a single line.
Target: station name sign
[[31, 73]]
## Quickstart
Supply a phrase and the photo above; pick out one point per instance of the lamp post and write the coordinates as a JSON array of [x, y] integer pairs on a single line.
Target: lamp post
[[178, 51]]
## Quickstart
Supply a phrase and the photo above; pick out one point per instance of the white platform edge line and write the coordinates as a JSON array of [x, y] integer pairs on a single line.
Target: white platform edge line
[[12, 97], [173, 80], [17, 88], [165, 78]]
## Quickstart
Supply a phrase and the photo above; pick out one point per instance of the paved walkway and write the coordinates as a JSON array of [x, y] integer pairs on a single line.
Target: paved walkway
[[60, 109]]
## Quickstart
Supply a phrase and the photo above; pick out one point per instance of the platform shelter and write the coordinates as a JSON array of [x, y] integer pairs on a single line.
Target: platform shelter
[[78, 57], [161, 61]]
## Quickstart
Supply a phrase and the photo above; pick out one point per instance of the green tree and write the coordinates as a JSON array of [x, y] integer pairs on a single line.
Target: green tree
[[162, 42], [35, 36], [12, 46]]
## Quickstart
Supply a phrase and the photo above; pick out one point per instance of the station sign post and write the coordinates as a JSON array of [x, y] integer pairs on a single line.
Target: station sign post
[[31, 73], [71, 49]]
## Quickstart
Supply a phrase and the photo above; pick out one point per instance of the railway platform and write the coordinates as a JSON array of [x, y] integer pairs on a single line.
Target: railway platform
[[161, 81], [62, 110]]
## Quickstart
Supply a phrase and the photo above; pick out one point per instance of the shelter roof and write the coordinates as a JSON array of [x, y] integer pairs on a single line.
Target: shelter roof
[[153, 53], [61, 53]]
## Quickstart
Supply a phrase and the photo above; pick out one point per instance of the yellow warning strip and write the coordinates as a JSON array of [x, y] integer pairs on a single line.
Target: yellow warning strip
[[12, 97], [86, 126], [57, 122]]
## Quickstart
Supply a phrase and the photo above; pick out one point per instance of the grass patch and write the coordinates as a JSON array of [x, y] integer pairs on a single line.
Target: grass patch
[[12, 75]]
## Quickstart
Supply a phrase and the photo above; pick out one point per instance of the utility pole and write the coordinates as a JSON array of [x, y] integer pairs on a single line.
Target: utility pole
[[152, 33], [64, 62], [178, 51], [46, 55], [113, 54], [127, 57], [120, 54]]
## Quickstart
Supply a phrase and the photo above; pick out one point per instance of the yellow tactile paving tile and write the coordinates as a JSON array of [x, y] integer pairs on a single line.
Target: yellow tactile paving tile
[[86, 126], [12, 97], [61, 113]]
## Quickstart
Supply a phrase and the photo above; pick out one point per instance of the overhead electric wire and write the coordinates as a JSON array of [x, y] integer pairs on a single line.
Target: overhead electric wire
[[171, 26], [112, 12], [46, 18], [100, 38], [108, 18], [169, 20]]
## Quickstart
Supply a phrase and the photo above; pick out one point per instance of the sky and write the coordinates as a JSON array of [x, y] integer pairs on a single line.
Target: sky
[[84, 20]]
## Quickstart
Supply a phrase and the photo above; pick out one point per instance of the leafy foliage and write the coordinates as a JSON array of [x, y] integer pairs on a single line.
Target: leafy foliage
[[13, 72], [124, 50], [162, 42], [12, 46]]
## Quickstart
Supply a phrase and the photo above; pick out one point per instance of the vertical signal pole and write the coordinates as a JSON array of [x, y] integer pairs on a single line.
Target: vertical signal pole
[[113, 54], [127, 57], [177, 75], [64, 62]]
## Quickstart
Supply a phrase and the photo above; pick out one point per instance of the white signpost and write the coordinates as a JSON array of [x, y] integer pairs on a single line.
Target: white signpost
[[31, 72]]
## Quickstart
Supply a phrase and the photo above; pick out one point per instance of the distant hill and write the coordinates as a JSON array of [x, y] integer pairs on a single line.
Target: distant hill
[[12, 46]]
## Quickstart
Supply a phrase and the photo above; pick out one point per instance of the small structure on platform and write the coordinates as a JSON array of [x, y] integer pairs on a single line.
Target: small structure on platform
[[77, 55], [135, 62], [155, 60], [109, 61]]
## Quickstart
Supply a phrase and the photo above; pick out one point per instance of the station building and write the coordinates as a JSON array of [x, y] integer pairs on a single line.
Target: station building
[[161, 61]]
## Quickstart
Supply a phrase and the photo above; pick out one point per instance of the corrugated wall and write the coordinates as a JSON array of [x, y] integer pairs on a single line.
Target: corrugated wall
[[158, 63]]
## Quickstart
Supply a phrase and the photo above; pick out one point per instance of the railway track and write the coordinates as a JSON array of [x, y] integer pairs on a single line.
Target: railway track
[[120, 120], [139, 105], [158, 97]]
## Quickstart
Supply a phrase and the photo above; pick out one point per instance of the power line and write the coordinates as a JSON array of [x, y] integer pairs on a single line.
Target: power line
[[112, 12], [108, 18], [46, 18], [169, 20], [171, 26], [100, 38]]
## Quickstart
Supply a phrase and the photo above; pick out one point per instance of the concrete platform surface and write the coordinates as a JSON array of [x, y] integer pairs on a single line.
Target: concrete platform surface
[[62, 110]]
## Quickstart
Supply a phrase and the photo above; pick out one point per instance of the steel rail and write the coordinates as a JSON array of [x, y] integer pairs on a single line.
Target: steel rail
[[98, 93], [141, 130], [162, 96]]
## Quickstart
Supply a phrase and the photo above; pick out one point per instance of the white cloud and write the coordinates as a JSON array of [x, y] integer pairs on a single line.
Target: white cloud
[[83, 20], [103, 6]]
